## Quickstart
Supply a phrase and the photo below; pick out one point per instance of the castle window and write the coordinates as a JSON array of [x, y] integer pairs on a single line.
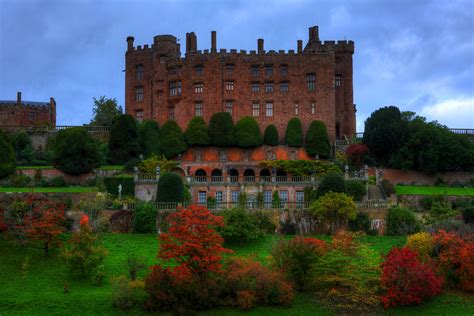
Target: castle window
[[269, 109], [139, 94], [255, 87], [283, 196], [284, 70], [160, 95], [139, 116], [311, 82], [229, 85], [202, 197], [269, 87], [268, 71], [255, 71], [171, 113], [297, 109], [229, 69], [199, 70], [313, 108], [32, 116], [198, 109], [228, 107], [338, 80], [162, 60], [173, 70], [235, 196], [284, 86], [174, 88], [139, 72], [198, 87], [255, 109]]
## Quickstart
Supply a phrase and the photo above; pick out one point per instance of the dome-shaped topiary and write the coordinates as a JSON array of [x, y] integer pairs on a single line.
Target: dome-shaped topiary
[[221, 129], [332, 182], [123, 141], [170, 188], [171, 140], [271, 136], [294, 133], [149, 134], [317, 140], [197, 133], [247, 133]]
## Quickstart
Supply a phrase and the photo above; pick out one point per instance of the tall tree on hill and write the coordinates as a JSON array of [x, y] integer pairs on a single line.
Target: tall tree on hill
[[317, 140], [149, 134], [105, 111]]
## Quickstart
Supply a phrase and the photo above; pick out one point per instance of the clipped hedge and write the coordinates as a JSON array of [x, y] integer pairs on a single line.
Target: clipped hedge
[[294, 133], [170, 188], [149, 135], [221, 129], [317, 140], [302, 167], [197, 133], [123, 142], [7, 156], [271, 136], [172, 140], [112, 183], [247, 133]]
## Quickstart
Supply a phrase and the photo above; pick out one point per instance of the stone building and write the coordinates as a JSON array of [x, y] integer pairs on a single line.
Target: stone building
[[20, 114], [312, 83]]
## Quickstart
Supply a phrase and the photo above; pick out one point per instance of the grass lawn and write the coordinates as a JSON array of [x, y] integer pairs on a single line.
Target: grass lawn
[[51, 190], [34, 167], [106, 167], [40, 291], [422, 190]]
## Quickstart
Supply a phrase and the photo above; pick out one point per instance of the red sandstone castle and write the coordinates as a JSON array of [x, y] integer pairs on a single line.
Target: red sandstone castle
[[19, 113], [312, 83]]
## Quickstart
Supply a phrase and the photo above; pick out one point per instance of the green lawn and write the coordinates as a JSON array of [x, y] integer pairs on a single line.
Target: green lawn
[[34, 167], [425, 190], [41, 291], [51, 190], [107, 167]]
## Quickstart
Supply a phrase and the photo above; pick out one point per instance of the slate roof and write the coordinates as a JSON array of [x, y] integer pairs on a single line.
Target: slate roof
[[24, 103]]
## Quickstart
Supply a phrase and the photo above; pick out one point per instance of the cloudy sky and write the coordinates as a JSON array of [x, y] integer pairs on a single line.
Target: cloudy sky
[[418, 55]]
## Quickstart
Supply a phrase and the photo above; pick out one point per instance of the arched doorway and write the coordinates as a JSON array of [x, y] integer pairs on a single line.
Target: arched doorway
[[265, 175], [234, 175], [281, 176], [200, 175], [249, 175], [216, 175]]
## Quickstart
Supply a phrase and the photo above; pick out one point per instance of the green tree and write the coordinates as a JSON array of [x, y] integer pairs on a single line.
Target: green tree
[[197, 133], [170, 188], [7, 156], [105, 111], [271, 136], [332, 182], [384, 132], [356, 189], [75, 152], [240, 226], [171, 140], [401, 221], [144, 218], [149, 135], [221, 129], [247, 133], [333, 210], [317, 140], [294, 133], [123, 143]]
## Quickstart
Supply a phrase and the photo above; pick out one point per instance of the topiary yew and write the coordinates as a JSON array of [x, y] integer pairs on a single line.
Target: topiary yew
[[332, 182], [271, 136], [123, 143], [171, 140], [247, 133], [197, 133], [7, 158], [170, 188], [221, 129], [317, 140], [294, 133], [149, 134]]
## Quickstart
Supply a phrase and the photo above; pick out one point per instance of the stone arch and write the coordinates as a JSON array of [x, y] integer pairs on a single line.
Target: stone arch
[[216, 175], [249, 173], [265, 173], [281, 175], [200, 175]]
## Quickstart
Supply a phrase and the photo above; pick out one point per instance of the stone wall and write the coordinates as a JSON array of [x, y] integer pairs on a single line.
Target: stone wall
[[419, 178], [81, 179]]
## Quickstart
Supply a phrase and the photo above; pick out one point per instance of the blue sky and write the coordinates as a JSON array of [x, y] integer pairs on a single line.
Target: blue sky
[[417, 55]]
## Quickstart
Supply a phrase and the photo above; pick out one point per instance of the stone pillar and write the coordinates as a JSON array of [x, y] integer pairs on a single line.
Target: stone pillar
[[130, 40], [346, 172]]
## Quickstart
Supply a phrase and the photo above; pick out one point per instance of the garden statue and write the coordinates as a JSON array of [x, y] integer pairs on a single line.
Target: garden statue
[[120, 191], [158, 171]]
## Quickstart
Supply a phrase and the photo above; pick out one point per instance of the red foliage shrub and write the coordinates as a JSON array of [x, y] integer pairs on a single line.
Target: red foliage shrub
[[297, 257], [47, 226], [344, 241], [247, 283], [356, 152], [3, 225], [406, 280]]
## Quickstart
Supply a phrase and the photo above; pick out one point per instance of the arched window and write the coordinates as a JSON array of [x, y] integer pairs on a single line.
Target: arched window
[[200, 175], [249, 175], [265, 175], [234, 175], [281, 176], [216, 175]]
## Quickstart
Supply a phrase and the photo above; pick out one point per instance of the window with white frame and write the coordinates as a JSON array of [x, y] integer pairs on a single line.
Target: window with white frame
[[284, 86], [174, 88], [299, 199], [229, 85], [198, 87], [338, 80], [229, 107], [229, 70], [269, 109], [313, 107], [219, 198], [235, 196], [311, 82], [198, 109], [139, 71], [284, 196], [269, 87], [267, 198], [139, 94], [268, 71], [297, 109], [202, 197], [255, 87], [255, 71], [255, 109], [139, 116]]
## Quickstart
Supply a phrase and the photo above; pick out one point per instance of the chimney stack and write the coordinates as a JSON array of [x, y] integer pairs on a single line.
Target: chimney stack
[[213, 41], [314, 33], [130, 40], [188, 44], [18, 98], [260, 45], [300, 46]]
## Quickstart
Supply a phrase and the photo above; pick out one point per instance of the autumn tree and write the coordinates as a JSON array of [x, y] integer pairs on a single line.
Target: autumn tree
[[47, 227], [333, 210]]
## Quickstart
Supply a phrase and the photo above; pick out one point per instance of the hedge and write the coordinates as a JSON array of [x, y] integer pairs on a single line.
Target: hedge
[[294, 133], [7, 156], [112, 183], [197, 133], [271, 136], [317, 140], [170, 188], [172, 140], [123, 141], [221, 129], [149, 134], [247, 133]]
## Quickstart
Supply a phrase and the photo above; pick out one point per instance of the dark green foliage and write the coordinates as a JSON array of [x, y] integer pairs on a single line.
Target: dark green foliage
[[271, 136], [170, 188], [197, 133], [58, 182], [247, 133], [123, 142], [427, 202], [144, 218], [318, 168], [294, 133], [221, 129], [240, 226], [388, 187], [384, 132], [317, 140], [149, 135], [112, 183], [276, 202], [171, 140], [288, 227], [7, 156], [75, 152], [264, 221], [310, 194], [468, 214], [19, 180], [401, 221], [356, 189], [105, 111], [440, 212], [332, 182], [103, 151], [360, 223]]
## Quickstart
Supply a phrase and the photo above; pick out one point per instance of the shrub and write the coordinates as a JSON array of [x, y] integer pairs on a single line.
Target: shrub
[[240, 226], [439, 211], [407, 281], [221, 129], [264, 221], [422, 244], [7, 158], [288, 227], [247, 283], [333, 210], [19, 180], [197, 133], [360, 223], [123, 142], [294, 133], [296, 259], [357, 153], [355, 189], [144, 218], [112, 183], [127, 295], [75, 152], [58, 182], [47, 226], [388, 187], [135, 264], [148, 166], [171, 140], [247, 133], [271, 136], [332, 182], [317, 140], [149, 136], [401, 221], [83, 253], [170, 188], [427, 202], [345, 242], [468, 214]]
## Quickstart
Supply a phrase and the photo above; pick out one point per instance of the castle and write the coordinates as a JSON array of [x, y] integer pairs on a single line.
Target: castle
[[312, 83], [24, 114]]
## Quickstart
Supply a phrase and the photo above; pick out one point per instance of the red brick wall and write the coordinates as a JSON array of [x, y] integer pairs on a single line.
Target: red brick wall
[[21, 115], [408, 177]]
